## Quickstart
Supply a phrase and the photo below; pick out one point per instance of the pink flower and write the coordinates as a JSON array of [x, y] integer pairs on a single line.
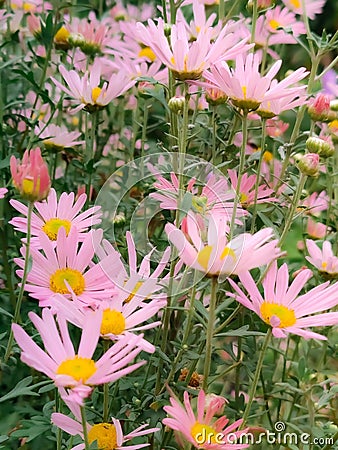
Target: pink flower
[[312, 7], [31, 177], [50, 215], [219, 256], [275, 127], [309, 164], [278, 19], [107, 435], [3, 192], [66, 269], [56, 138], [316, 230], [324, 260], [282, 308], [77, 372], [315, 203], [319, 108], [202, 430]]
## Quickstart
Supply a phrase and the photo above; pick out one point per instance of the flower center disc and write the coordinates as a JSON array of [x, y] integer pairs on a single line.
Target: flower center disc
[[96, 91], [286, 316], [203, 434], [73, 277], [105, 436], [52, 226], [78, 368], [113, 322]]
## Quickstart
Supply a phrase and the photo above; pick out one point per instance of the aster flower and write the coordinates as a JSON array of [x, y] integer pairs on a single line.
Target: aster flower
[[52, 214], [87, 90], [77, 372], [185, 59], [316, 230], [315, 203], [56, 138], [282, 308], [324, 260], [219, 256], [202, 430], [312, 7], [280, 19], [66, 269], [30, 177], [109, 436], [119, 319], [3, 192]]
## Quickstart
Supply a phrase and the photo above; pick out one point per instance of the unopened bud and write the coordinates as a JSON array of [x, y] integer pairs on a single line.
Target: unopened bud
[[309, 164], [334, 105], [167, 29], [319, 109], [317, 145], [176, 104], [119, 219], [76, 39], [261, 4]]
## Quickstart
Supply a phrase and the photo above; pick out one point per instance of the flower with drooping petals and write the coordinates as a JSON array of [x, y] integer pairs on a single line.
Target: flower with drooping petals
[[324, 260], [202, 430], [31, 177], [56, 138], [66, 269], [218, 256], [49, 216], [77, 372], [316, 230], [282, 308]]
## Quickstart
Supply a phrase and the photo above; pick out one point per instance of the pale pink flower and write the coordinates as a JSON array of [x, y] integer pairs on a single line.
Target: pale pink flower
[[282, 308], [247, 189], [66, 269], [218, 256], [77, 372], [52, 214], [316, 230], [56, 137], [31, 177], [31, 5], [87, 90], [324, 260], [202, 430], [312, 7], [107, 435], [271, 108], [315, 203], [185, 59], [275, 127], [3, 192], [278, 18]]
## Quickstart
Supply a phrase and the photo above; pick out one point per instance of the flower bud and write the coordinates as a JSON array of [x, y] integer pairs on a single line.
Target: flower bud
[[31, 177], [261, 4], [319, 109], [317, 145], [176, 104], [76, 39], [334, 105], [309, 164]]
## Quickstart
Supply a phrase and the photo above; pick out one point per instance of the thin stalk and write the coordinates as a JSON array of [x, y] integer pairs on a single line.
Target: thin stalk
[[84, 427], [213, 137], [106, 345], [221, 10], [229, 319], [23, 282], [256, 378], [6, 266], [283, 374], [59, 431], [240, 171], [90, 151], [230, 12], [254, 213], [210, 332], [254, 21]]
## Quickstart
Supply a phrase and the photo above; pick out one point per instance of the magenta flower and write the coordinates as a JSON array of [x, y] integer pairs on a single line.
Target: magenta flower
[[324, 260], [282, 308], [203, 430], [218, 256], [31, 177], [49, 216], [77, 372]]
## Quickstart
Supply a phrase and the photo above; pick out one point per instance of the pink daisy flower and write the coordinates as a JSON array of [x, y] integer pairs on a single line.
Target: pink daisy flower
[[119, 319], [282, 308], [218, 256], [278, 19], [316, 203], [56, 137], [77, 372], [312, 7], [324, 260], [202, 430], [87, 90], [109, 436], [66, 269], [52, 214], [247, 189]]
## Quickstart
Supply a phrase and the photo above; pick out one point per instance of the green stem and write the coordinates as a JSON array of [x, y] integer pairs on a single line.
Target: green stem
[[254, 21], [6, 266], [210, 332], [214, 131], [254, 213], [58, 408], [283, 374], [106, 345], [84, 427], [23, 282], [221, 10], [229, 319], [90, 151], [256, 378]]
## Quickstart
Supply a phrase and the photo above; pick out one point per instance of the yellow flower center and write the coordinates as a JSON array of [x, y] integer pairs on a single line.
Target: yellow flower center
[[62, 35], [244, 90], [203, 256], [295, 3], [203, 434], [324, 265], [96, 91], [286, 316], [274, 24], [228, 252], [334, 125], [105, 436], [73, 277], [113, 322], [147, 52], [52, 226], [243, 198], [29, 186], [79, 368], [134, 291], [268, 156]]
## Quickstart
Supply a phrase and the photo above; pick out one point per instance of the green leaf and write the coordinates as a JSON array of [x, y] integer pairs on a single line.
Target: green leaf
[[23, 388]]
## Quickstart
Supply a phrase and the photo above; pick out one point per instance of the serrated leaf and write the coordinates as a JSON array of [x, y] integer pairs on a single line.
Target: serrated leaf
[[23, 388]]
